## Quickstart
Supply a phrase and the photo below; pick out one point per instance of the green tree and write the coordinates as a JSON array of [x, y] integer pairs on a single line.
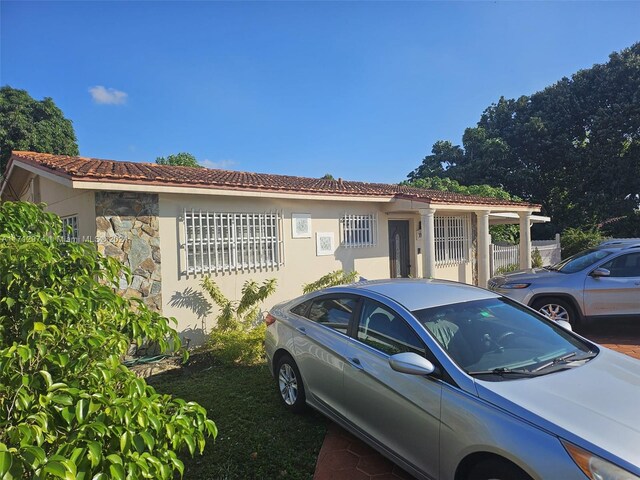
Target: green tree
[[574, 147], [444, 155], [181, 159], [502, 233], [34, 125], [68, 407]]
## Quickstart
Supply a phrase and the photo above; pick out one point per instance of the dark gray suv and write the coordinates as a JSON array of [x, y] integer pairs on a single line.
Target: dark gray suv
[[599, 282]]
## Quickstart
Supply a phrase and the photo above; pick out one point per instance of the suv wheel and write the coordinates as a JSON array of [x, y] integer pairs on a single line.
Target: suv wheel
[[556, 309]]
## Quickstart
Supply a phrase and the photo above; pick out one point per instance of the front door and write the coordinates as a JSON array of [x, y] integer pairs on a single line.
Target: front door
[[399, 262]]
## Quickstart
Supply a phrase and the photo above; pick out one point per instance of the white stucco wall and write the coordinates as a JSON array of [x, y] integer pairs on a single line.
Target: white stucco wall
[[459, 273], [65, 201], [181, 293]]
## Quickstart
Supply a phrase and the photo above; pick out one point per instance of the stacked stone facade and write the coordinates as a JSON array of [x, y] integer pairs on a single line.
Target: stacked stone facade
[[127, 229]]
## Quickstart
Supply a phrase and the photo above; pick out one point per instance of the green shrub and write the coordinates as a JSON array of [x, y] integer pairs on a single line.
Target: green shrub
[[331, 279], [244, 347], [68, 407], [574, 240], [512, 267], [536, 258], [238, 336]]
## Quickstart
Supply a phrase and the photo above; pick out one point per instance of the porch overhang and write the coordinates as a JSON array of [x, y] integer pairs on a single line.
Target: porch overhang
[[510, 218]]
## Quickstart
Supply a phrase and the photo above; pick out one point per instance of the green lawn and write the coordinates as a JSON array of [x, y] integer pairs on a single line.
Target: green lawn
[[257, 438]]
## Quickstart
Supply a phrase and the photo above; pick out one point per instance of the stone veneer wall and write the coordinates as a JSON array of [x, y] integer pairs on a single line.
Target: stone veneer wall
[[127, 229]]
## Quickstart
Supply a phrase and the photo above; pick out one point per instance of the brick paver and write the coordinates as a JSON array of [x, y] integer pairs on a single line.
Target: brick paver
[[344, 457]]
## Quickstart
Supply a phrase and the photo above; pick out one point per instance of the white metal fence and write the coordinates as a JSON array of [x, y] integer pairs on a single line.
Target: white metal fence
[[508, 256]]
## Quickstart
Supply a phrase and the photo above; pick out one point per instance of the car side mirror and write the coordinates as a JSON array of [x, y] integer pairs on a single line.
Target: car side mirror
[[411, 363], [600, 272]]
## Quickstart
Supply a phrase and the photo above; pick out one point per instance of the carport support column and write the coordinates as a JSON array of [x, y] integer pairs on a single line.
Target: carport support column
[[525, 240], [428, 242], [484, 241]]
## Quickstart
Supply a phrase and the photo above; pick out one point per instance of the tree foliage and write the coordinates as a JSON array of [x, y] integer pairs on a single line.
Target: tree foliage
[[331, 279], [35, 125], [449, 185], [574, 146], [181, 159], [68, 407], [574, 240], [499, 233]]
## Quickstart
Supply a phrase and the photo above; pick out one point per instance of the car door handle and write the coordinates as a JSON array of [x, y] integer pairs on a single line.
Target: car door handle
[[301, 330], [355, 362]]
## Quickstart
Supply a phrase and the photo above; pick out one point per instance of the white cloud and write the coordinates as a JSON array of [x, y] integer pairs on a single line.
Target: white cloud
[[223, 164], [107, 96]]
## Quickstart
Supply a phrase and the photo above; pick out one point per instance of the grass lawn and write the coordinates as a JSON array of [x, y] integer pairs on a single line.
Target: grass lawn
[[257, 437]]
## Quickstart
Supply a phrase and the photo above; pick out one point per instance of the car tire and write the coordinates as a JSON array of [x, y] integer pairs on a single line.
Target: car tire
[[557, 309], [493, 469], [290, 385]]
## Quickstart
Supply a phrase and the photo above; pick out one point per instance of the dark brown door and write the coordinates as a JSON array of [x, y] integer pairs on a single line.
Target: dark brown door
[[399, 262]]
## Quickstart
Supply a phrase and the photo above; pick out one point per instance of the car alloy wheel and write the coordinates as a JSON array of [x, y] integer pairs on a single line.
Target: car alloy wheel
[[290, 385]]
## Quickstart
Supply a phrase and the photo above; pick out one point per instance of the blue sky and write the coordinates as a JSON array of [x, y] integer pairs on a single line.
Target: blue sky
[[360, 90]]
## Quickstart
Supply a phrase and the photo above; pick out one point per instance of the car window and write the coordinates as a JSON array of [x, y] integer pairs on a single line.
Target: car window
[[624, 266], [334, 312], [581, 260], [301, 309], [497, 333], [384, 330]]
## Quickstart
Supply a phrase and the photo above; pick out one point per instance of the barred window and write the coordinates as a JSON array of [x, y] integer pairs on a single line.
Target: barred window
[[218, 242], [452, 239], [70, 228], [358, 230]]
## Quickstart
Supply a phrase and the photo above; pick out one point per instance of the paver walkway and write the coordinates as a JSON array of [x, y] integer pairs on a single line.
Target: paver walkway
[[344, 457]]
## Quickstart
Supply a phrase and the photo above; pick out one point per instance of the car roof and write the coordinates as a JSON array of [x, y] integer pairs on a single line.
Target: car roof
[[416, 294], [621, 244]]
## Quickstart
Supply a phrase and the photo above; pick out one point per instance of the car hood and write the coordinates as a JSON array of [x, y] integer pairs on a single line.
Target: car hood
[[596, 405], [527, 275]]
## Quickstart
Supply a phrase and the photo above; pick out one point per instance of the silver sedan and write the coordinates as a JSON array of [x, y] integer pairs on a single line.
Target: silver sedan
[[455, 382]]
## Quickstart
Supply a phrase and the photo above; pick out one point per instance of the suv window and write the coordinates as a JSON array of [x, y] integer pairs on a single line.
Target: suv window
[[386, 331], [334, 312], [624, 266], [581, 260]]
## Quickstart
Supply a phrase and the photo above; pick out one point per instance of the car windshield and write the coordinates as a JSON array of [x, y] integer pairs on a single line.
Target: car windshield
[[580, 261], [497, 336]]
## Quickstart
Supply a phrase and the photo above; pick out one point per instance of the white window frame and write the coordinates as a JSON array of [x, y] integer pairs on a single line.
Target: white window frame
[[358, 230], [232, 242], [70, 221], [452, 239]]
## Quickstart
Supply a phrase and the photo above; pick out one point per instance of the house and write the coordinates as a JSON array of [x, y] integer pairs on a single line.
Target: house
[[172, 225]]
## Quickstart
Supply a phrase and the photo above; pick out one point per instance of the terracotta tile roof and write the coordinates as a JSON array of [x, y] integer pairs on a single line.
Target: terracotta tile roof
[[93, 169]]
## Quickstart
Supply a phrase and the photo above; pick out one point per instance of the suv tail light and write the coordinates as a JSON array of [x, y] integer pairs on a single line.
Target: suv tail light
[[269, 319]]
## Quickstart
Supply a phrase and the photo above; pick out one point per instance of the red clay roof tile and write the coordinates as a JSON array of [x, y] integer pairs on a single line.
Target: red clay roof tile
[[93, 169]]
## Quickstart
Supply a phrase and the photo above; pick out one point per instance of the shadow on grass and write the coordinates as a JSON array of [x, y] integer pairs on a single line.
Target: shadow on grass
[[257, 437]]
